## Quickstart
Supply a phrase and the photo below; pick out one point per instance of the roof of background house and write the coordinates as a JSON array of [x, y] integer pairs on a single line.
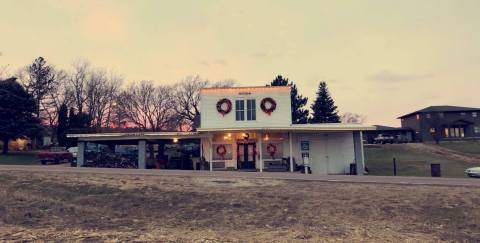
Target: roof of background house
[[387, 128], [441, 108]]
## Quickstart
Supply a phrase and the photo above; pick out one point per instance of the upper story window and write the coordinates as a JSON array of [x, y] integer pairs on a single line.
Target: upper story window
[[251, 111], [474, 114], [418, 116], [429, 116], [440, 114], [463, 113], [476, 129], [239, 110]]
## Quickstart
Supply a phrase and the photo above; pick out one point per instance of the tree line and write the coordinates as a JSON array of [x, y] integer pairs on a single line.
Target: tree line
[[91, 99]]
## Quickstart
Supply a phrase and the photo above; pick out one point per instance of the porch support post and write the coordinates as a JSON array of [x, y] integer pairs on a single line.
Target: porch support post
[[142, 144], [260, 153], [80, 154], [290, 151], [358, 150], [210, 149]]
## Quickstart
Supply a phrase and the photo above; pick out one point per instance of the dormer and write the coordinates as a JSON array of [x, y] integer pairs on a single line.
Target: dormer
[[245, 107]]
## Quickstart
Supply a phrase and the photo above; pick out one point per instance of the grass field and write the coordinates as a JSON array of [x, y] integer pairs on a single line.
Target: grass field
[[472, 147], [411, 162], [18, 158], [88, 207]]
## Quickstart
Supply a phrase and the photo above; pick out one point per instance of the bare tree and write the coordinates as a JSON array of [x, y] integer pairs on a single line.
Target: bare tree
[[4, 73], [224, 83], [187, 99], [146, 106], [350, 117], [77, 81]]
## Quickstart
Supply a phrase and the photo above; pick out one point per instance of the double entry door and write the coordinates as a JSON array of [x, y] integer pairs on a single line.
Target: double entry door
[[246, 156]]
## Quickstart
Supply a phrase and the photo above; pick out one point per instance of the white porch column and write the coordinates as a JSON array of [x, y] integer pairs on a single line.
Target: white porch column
[[358, 149], [260, 160], [290, 150], [80, 154], [142, 144], [210, 149]]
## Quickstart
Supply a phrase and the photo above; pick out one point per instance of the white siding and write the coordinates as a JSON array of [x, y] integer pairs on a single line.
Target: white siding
[[330, 153], [211, 118]]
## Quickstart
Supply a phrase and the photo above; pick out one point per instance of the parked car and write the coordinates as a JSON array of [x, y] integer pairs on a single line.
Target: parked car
[[473, 172], [383, 139], [55, 155]]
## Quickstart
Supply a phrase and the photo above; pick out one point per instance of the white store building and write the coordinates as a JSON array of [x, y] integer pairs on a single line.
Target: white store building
[[250, 129]]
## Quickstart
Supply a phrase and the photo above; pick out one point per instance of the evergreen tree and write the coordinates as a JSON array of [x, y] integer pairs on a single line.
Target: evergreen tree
[[299, 113], [62, 125], [324, 109], [42, 80], [16, 113]]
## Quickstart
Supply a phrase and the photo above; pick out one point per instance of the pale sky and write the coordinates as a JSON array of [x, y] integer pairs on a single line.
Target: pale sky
[[380, 58]]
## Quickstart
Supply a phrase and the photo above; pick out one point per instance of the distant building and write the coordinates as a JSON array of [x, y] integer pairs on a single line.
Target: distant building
[[436, 123], [386, 134]]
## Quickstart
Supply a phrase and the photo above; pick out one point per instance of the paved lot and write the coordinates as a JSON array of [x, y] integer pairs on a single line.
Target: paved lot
[[468, 182]]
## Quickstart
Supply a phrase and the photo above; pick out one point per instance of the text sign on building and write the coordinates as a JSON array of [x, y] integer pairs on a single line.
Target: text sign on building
[[305, 145]]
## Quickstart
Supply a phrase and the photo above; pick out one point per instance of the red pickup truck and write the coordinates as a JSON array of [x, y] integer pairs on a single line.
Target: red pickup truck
[[55, 155]]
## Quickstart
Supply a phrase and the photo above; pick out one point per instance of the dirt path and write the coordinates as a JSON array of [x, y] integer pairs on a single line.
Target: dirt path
[[445, 152]]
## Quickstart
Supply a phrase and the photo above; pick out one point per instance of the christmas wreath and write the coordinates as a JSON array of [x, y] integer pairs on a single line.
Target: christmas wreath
[[268, 105], [221, 150], [224, 106], [272, 149]]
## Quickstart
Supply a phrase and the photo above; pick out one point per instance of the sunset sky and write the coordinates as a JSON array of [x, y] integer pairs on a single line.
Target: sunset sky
[[380, 58]]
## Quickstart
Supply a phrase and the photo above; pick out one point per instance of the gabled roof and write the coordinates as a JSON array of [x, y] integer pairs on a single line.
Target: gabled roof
[[441, 108]]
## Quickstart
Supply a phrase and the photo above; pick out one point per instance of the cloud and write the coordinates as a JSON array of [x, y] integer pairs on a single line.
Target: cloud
[[219, 62], [103, 26], [388, 76]]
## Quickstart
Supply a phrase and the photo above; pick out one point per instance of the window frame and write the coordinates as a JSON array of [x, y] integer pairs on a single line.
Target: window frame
[[240, 113], [251, 110]]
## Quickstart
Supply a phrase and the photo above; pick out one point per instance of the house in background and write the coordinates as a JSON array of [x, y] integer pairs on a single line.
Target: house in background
[[386, 134], [437, 123]]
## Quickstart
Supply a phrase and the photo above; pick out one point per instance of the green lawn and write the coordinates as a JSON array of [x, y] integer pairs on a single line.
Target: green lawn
[[18, 158], [410, 162], [472, 147]]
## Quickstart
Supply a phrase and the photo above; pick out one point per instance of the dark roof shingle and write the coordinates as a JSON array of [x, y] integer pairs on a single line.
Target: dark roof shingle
[[441, 108]]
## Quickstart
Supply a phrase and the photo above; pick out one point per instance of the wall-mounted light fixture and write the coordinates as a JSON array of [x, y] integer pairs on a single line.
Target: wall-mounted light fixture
[[175, 140]]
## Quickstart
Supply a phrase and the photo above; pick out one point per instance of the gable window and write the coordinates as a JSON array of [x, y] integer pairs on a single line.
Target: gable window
[[239, 110], [251, 111], [418, 116], [474, 114]]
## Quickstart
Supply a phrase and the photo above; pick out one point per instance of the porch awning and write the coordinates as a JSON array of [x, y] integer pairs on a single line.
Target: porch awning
[[332, 127], [134, 136]]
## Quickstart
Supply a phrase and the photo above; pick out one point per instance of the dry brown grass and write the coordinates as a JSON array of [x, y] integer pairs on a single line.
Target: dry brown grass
[[80, 207]]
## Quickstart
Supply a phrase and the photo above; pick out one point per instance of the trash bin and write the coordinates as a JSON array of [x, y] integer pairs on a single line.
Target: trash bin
[[435, 170], [353, 169]]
